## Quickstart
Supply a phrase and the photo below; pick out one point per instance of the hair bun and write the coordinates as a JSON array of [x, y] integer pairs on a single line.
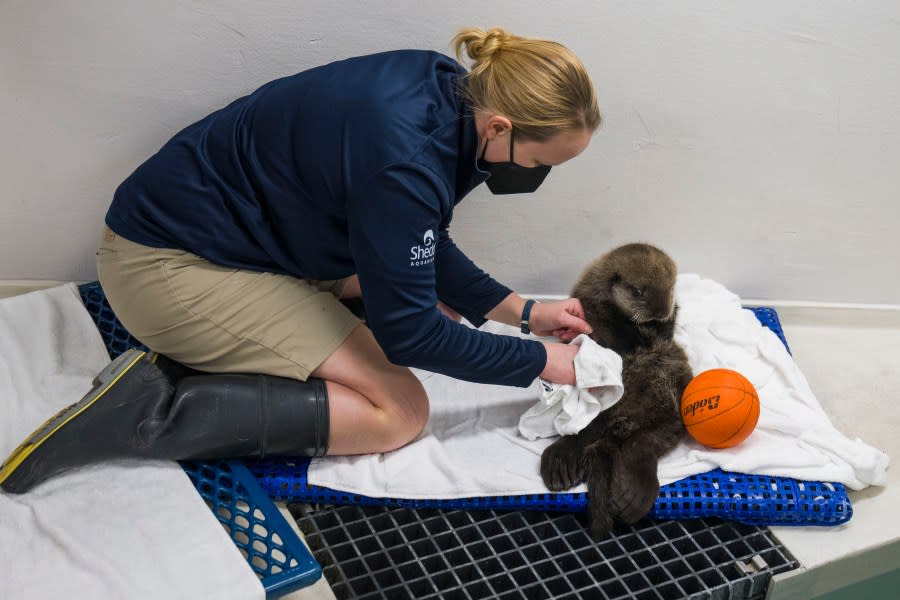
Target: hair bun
[[481, 45], [539, 85]]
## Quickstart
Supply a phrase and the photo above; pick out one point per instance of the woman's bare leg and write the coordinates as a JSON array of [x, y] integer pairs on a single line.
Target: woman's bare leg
[[374, 406]]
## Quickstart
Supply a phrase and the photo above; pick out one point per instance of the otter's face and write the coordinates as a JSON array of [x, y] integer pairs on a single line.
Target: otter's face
[[637, 279], [643, 299]]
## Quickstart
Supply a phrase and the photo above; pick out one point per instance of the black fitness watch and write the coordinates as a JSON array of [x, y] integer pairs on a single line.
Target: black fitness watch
[[526, 314]]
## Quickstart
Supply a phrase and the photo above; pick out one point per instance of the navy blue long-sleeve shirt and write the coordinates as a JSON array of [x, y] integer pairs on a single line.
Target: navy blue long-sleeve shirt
[[352, 167]]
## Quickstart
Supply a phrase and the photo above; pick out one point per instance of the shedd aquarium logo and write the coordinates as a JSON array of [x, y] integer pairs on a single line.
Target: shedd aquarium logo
[[424, 254]]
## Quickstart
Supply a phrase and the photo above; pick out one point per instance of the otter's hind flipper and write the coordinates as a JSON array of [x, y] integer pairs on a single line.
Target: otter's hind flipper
[[598, 472], [634, 485]]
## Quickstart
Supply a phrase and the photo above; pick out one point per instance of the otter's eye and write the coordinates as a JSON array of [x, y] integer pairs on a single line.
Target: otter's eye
[[637, 292]]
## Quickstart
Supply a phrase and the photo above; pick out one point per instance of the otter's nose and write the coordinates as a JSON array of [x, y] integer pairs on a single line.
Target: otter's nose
[[662, 310]]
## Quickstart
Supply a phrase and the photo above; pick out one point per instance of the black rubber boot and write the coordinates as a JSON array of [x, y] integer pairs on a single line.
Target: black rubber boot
[[133, 410], [174, 370]]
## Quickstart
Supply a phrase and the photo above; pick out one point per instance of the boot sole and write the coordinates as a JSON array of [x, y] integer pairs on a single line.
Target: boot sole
[[102, 382]]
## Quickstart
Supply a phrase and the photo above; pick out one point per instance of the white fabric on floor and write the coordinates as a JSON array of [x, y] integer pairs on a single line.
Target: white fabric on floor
[[472, 446], [119, 530], [567, 409]]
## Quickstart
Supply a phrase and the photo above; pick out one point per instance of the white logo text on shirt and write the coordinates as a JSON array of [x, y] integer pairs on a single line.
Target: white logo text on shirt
[[423, 254]]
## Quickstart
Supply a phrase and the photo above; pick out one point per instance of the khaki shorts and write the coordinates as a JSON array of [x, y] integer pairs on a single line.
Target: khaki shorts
[[220, 319]]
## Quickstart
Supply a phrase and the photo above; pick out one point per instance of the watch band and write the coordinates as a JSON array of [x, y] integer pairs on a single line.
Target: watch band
[[526, 315]]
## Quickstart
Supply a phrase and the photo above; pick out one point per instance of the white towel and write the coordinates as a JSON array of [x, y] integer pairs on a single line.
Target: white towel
[[567, 409], [794, 437], [116, 530], [472, 445]]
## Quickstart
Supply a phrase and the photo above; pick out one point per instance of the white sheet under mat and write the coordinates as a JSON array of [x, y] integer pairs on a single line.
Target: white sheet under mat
[[472, 447], [119, 530]]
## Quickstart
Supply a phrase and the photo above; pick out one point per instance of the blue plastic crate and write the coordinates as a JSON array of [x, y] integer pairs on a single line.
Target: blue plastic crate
[[751, 499], [272, 548], [262, 535]]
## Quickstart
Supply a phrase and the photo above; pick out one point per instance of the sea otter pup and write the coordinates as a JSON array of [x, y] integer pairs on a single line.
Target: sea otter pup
[[628, 299]]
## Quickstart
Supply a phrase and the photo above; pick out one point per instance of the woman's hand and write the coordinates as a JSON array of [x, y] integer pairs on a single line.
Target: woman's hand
[[560, 366], [562, 318]]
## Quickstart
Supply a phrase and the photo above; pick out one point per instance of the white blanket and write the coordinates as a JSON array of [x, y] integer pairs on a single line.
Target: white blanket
[[472, 446], [117, 530]]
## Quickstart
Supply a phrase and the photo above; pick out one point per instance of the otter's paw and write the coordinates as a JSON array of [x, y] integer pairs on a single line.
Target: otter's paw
[[633, 491], [562, 465]]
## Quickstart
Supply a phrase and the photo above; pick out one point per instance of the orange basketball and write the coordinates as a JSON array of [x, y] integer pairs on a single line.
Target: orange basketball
[[720, 408]]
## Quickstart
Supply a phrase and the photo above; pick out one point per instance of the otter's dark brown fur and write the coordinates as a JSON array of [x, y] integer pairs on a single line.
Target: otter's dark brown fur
[[628, 298]]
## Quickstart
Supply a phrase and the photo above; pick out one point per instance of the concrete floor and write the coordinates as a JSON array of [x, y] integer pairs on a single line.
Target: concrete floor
[[852, 362]]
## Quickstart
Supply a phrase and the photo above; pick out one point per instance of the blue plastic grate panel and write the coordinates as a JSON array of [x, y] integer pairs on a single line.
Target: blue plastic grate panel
[[754, 499], [286, 479], [769, 318], [262, 535], [751, 499], [258, 529], [114, 334]]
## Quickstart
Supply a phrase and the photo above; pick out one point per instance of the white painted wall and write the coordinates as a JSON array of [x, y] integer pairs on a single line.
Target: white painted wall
[[757, 142]]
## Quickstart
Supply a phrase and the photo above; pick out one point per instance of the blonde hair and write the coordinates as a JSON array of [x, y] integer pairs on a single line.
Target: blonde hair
[[539, 85]]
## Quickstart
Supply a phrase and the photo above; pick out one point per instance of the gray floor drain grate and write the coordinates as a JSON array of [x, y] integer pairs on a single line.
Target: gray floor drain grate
[[376, 552]]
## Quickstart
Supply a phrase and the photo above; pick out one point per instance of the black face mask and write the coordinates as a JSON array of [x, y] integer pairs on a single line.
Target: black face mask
[[510, 178]]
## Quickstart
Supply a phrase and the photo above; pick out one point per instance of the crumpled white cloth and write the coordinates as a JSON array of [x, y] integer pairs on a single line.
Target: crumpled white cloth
[[471, 445], [567, 409], [115, 530]]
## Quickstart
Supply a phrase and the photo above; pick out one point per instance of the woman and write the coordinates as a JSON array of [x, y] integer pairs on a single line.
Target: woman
[[230, 250]]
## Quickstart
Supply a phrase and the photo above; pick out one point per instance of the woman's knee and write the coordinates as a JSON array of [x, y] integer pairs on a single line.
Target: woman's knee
[[384, 402], [404, 412]]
